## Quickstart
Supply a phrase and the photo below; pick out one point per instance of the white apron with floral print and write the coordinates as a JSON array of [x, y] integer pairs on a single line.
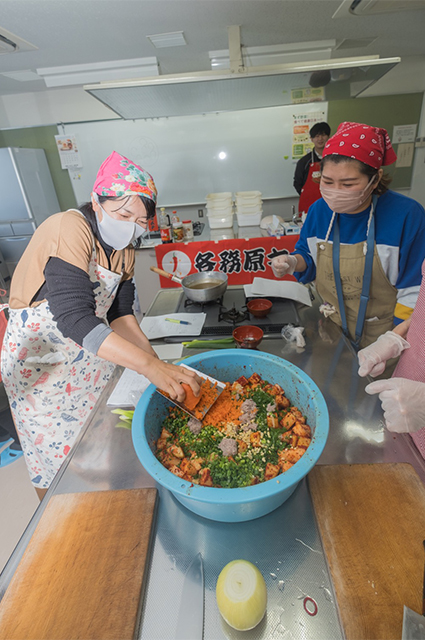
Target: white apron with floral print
[[52, 382]]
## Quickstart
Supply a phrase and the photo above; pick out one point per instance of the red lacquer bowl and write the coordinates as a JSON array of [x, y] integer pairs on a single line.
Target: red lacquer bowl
[[259, 307], [248, 336]]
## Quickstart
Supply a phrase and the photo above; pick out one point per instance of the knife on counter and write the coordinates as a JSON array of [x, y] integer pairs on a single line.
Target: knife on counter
[[414, 623], [190, 621]]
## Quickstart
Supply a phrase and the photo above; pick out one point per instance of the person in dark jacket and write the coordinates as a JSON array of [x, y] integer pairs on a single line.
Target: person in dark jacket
[[307, 172]]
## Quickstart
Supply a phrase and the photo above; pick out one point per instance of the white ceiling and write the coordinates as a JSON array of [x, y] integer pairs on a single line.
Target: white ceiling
[[70, 32]]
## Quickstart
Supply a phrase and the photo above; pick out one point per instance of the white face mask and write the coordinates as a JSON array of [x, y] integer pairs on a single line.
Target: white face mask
[[140, 232], [118, 234]]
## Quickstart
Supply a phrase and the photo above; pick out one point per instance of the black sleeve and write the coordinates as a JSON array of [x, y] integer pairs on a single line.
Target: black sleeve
[[300, 174], [123, 303], [69, 292]]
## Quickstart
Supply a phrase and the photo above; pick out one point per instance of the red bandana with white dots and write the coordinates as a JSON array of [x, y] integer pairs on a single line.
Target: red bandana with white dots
[[370, 145]]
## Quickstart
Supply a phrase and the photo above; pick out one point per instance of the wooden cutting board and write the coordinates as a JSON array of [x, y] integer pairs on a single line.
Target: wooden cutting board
[[372, 522], [82, 573]]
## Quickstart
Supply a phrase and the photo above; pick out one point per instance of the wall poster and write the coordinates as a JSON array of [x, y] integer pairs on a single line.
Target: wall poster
[[68, 151]]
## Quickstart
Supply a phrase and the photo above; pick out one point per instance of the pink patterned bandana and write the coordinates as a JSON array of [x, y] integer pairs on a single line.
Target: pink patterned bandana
[[118, 176], [370, 145]]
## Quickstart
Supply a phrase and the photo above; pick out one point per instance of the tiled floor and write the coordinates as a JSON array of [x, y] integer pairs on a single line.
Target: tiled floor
[[18, 501]]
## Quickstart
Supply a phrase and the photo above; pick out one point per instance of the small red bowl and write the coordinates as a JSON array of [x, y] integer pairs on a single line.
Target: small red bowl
[[259, 307], [248, 336]]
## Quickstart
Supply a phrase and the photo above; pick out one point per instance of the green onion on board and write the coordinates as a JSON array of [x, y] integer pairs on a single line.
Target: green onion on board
[[126, 417], [220, 343]]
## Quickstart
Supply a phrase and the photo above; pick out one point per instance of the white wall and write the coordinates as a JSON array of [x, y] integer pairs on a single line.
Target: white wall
[[417, 189], [50, 107]]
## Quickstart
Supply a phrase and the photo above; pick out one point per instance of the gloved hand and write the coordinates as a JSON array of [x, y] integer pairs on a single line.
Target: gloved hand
[[403, 403], [372, 359], [284, 265]]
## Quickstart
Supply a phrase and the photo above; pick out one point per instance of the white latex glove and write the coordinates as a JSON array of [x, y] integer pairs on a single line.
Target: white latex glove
[[403, 403], [373, 359], [284, 265]]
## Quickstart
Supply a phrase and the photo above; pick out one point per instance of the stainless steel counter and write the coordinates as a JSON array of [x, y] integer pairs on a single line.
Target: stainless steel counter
[[285, 544]]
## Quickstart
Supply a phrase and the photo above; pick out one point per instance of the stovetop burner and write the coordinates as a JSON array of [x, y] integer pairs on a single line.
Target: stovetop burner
[[233, 316], [202, 305], [233, 304]]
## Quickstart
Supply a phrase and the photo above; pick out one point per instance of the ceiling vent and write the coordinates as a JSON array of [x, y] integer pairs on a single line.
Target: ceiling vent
[[21, 76], [369, 7], [174, 39], [9, 43]]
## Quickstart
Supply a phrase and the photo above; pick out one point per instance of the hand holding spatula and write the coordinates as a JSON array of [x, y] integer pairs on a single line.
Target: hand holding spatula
[[198, 407]]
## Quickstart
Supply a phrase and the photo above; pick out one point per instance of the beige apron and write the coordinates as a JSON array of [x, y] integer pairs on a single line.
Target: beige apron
[[383, 295]]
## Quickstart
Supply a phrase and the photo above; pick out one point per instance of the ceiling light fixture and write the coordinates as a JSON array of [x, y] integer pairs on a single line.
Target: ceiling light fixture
[[162, 40], [99, 71], [276, 54]]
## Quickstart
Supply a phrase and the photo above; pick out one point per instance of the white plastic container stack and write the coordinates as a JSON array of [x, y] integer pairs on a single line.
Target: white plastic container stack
[[220, 210], [249, 208]]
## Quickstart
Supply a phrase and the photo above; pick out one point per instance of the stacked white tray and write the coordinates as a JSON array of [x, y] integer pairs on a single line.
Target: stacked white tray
[[249, 208], [220, 210]]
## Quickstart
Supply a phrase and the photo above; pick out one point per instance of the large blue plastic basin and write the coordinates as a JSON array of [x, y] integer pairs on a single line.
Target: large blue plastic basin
[[247, 503]]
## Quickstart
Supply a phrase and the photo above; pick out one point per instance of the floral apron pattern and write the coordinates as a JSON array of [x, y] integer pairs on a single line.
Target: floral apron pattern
[[52, 382]]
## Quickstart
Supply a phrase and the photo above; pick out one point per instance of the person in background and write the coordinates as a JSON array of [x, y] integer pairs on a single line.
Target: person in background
[[307, 172], [403, 395], [71, 317], [364, 245]]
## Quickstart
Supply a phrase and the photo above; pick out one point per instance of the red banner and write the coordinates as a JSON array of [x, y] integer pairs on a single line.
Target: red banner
[[242, 259]]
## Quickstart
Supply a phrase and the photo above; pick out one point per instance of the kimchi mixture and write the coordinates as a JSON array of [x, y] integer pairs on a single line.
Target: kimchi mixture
[[251, 434]]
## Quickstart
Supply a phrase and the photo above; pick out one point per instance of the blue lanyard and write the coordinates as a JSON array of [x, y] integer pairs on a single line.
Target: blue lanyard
[[367, 276]]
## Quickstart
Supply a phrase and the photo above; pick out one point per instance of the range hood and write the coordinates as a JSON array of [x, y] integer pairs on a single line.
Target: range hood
[[250, 88], [240, 87]]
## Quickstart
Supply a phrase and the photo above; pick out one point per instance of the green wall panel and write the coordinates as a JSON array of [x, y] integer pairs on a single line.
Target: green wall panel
[[381, 111], [43, 138]]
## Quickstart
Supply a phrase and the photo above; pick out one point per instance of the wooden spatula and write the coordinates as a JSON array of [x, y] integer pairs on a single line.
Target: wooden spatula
[[210, 392]]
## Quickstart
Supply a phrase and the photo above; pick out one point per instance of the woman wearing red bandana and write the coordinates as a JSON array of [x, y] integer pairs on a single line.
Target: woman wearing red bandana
[[71, 317], [361, 243]]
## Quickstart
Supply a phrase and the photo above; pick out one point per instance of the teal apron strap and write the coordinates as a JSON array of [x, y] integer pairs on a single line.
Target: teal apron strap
[[367, 277]]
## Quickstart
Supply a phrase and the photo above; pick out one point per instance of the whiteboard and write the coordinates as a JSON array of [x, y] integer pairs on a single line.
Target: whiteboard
[[182, 153]]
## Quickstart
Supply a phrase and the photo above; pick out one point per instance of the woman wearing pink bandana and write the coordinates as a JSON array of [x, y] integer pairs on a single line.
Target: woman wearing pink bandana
[[361, 243], [71, 317]]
